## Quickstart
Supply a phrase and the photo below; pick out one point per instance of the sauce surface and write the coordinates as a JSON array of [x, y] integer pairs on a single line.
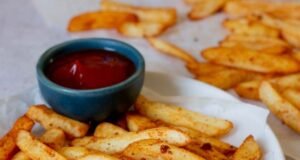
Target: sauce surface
[[89, 69]]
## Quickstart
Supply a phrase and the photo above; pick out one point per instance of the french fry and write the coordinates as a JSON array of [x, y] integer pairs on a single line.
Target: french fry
[[228, 78], [279, 9], [166, 16], [49, 119], [175, 115], [117, 144], [20, 156], [205, 8], [100, 20], [244, 26], [200, 69], [137, 122], [8, 145], [154, 149], [98, 156], [296, 54], [203, 140], [292, 95], [54, 138], [141, 29], [251, 60], [74, 152], [248, 89], [172, 50], [107, 130], [34, 148], [288, 81], [206, 151], [258, 43], [249, 150], [279, 106]]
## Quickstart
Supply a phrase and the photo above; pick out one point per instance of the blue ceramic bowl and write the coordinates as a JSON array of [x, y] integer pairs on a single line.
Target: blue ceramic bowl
[[92, 104]]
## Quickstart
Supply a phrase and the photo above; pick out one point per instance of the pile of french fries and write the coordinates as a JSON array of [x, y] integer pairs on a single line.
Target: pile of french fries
[[259, 59], [131, 21], [152, 131]]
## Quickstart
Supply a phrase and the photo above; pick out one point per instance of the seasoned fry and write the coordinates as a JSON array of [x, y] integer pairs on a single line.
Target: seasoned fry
[[155, 149], [206, 151], [107, 130], [249, 150], [199, 69], [117, 144], [258, 43], [279, 106], [244, 26], [203, 140], [141, 29], [228, 78], [8, 145], [74, 152], [166, 16], [175, 115], [293, 96], [20, 156], [137, 122], [251, 60], [34, 148], [49, 119], [98, 156], [205, 8], [54, 138], [100, 20], [171, 49], [248, 90]]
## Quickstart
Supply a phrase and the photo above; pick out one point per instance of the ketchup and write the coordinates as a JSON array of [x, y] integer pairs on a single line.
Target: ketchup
[[89, 69]]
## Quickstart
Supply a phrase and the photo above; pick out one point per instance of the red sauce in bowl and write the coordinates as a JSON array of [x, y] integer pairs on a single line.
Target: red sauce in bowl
[[89, 69]]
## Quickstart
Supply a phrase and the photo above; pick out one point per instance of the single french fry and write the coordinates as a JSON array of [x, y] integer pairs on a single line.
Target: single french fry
[[205, 8], [249, 150], [258, 43], [228, 78], [107, 130], [117, 144], [203, 141], [199, 69], [8, 145], [206, 151], [175, 115], [141, 29], [74, 152], [20, 156], [34, 148], [279, 106], [166, 16], [172, 50], [248, 89], [251, 60], [244, 26], [54, 138], [98, 156], [100, 20], [279, 9], [293, 96], [49, 119], [154, 149], [288, 81], [137, 122]]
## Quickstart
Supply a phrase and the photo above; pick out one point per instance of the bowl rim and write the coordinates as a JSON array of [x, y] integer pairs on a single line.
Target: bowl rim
[[140, 68]]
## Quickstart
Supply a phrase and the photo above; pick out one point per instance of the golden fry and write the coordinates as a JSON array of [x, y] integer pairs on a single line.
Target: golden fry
[[34, 148], [292, 95], [100, 20], [137, 122], [154, 149], [54, 138], [175, 115], [107, 130], [206, 151], [8, 145], [249, 150], [251, 60], [205, 8], [248, 90], [279, 106], [141, 29], [49, 119], [20, 156]]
